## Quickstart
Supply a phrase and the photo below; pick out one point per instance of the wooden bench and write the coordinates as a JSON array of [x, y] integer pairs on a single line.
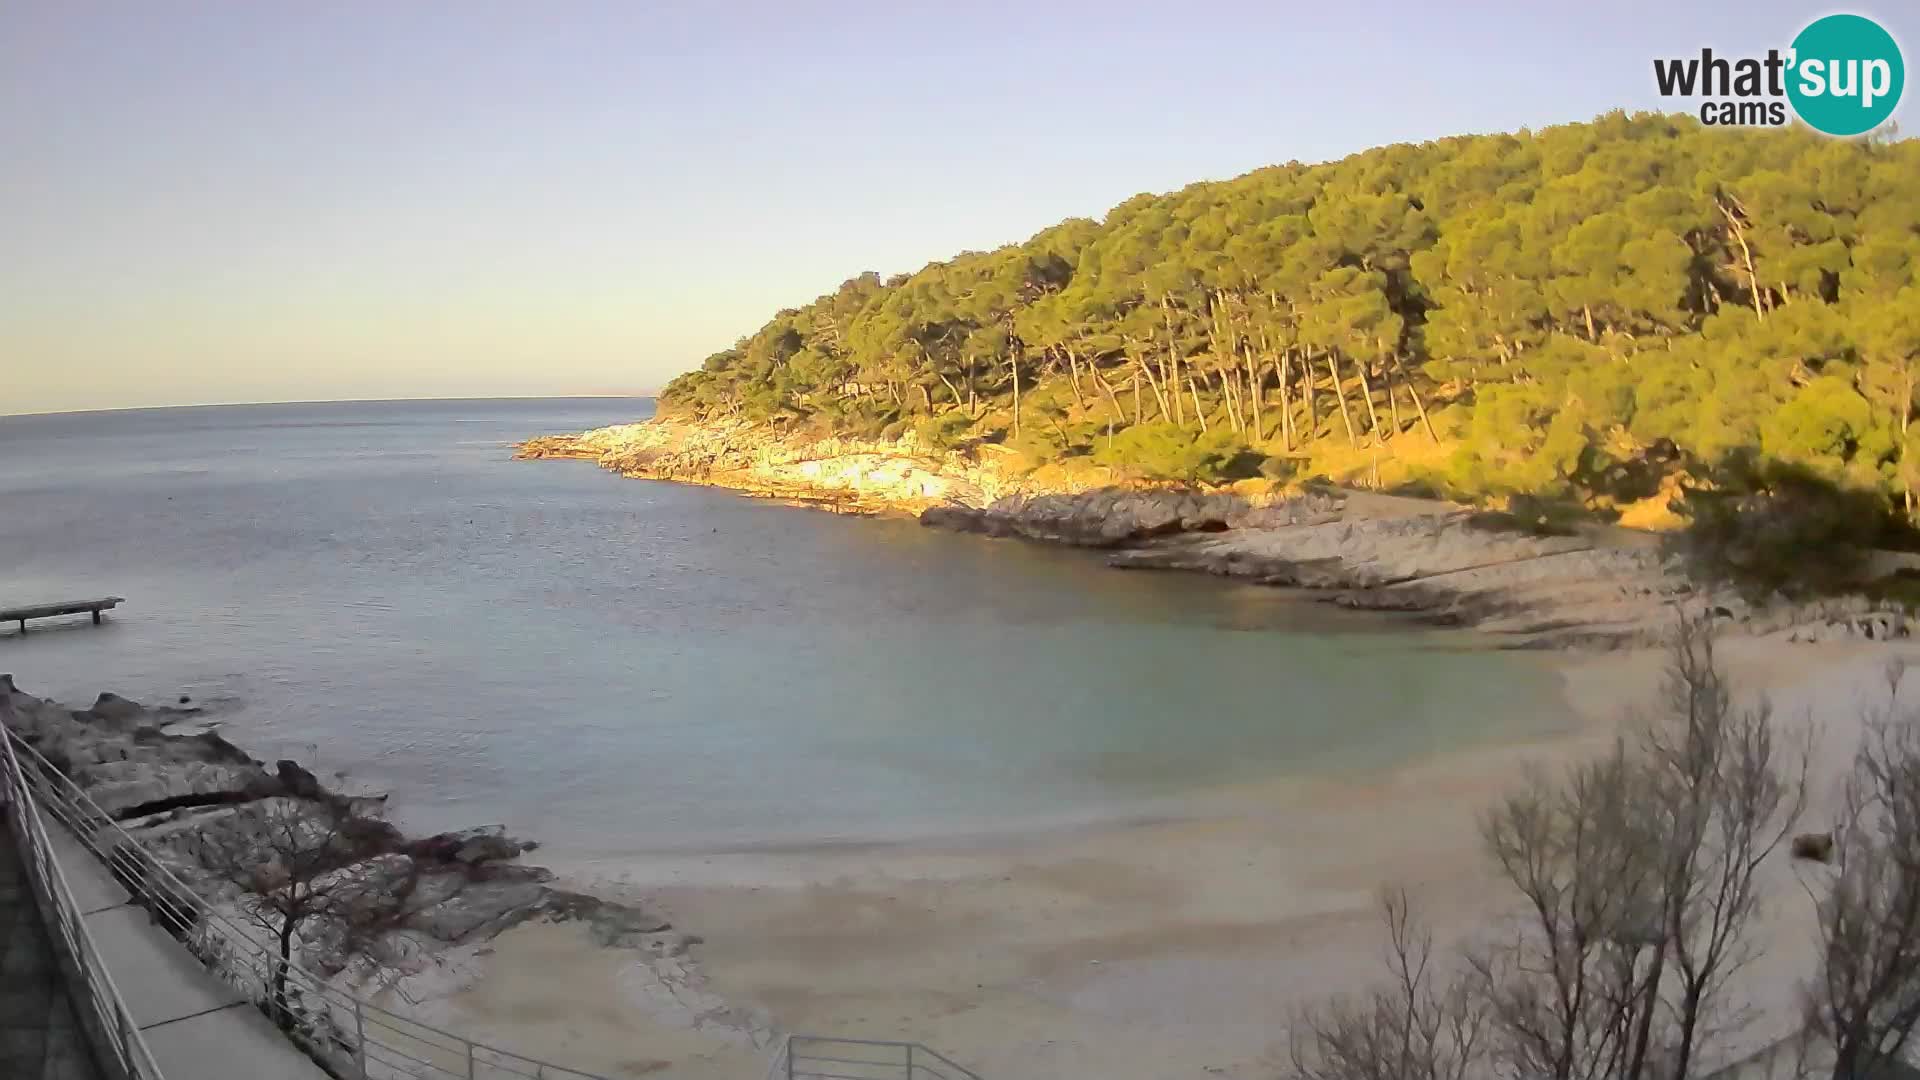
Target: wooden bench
[[68, 607]]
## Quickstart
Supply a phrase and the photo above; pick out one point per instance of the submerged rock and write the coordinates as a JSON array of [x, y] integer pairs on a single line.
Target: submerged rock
[[1115, 516], [471, 846]]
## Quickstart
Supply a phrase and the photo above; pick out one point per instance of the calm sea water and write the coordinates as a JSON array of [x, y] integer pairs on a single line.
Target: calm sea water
[[624, 666]]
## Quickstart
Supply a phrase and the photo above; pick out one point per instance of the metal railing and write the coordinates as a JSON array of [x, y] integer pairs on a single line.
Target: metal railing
[[349, 1035], [102, 1012], [817, 1057]]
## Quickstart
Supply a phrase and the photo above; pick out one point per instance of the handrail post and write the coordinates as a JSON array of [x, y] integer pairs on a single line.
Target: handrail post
[[909, 1061], [469, 1043], [360, 1038], [789, 1057]]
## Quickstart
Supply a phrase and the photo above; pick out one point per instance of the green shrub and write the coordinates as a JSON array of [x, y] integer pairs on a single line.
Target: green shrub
[[1785, 529], [1531, 517], [944, 431], [1280, 469], [1161, 451]]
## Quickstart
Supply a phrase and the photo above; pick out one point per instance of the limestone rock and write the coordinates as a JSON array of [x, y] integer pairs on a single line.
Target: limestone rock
[[863, 475], [404, 898]]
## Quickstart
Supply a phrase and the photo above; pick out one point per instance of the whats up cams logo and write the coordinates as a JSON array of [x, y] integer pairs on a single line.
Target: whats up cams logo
[[1842, 75]]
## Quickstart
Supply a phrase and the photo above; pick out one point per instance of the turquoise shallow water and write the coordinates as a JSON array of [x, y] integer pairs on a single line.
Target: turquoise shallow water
[[620, 666]]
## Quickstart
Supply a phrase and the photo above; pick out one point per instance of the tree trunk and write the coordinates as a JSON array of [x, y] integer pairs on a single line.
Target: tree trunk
[[1286, 404], [1746, 253], [1906, 422], [1257, 391], [1136, 397], [282, 1015], [1689, 1031], [1197, 410], [1341, 394], [1418, 405], [1113, 400], [951, 389], [1643, 1024], [1366, 394], [1220, 339], [1393, 403], [1013, 362], [1073, 368], [1159, 397], [1313, 414], [1173, 359]]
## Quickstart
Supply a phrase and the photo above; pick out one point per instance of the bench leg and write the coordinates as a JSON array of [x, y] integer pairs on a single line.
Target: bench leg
[[23, 626], [96, 617]]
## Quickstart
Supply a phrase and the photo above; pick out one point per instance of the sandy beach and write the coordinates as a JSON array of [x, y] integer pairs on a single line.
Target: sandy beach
[[1150, 950]]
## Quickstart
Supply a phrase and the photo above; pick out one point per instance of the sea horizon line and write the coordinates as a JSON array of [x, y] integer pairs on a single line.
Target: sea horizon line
[[644, 395]]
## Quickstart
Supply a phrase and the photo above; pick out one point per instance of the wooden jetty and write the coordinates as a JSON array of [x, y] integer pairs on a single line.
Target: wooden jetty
[[66, 607]]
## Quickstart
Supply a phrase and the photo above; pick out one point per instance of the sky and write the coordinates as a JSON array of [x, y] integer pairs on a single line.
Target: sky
[[217, 202]]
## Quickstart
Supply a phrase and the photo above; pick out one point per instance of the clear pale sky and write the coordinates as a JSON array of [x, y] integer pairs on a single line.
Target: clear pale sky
[[209, 202]]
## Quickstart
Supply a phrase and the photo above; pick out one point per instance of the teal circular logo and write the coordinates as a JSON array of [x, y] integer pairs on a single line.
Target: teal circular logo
[[1847, 74]]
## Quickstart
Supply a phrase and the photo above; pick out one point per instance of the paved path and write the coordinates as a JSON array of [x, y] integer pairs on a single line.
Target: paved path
[[197, 1026], [39, 1039]]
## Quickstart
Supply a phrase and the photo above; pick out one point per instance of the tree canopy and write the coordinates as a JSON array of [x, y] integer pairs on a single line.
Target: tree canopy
[[1522, 313]]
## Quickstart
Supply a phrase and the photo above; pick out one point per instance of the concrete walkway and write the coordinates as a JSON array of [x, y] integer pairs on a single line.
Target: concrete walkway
[[39, 1039], [196, 1025]]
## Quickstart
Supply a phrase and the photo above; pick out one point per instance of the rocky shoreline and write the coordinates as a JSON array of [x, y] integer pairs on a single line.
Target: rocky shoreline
[[1448, 565], [873, 476], [418, 901]]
